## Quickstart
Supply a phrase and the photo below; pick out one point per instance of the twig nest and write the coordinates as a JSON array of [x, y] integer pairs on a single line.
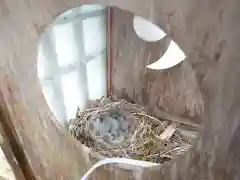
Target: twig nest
[[122, 129]]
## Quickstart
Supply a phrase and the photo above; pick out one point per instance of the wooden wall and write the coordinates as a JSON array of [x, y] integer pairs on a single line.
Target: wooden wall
[[174, 90], [207, 31]]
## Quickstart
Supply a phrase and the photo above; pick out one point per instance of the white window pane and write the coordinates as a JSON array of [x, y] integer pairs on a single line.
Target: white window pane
[[97, 77], [91, 8], [40, 62], [73, 93], [65, 43], [94, 34], [54, 102], [74, 12], [47, 65]]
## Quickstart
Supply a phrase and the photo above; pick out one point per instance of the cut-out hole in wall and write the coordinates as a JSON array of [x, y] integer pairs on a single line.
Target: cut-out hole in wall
[[146, 30], [72, 64], [172, 57], [150, 32]]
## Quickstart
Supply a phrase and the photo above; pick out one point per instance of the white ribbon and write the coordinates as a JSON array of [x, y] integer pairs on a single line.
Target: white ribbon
[[123, 161]]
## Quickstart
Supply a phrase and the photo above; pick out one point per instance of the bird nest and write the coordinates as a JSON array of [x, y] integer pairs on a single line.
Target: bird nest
[[123, 129]]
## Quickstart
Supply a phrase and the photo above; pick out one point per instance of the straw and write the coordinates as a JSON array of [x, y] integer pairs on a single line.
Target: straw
[[148, 138]]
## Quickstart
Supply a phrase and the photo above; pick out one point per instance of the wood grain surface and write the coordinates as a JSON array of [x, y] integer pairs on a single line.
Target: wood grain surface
[[173, 90], [208, 33]]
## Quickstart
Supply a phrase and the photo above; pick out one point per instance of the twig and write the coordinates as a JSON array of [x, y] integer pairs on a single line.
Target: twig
[[150, 118], [143, 141], [168, 132], [175, 149]]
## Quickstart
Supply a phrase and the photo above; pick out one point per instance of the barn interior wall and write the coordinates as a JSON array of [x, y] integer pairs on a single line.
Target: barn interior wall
[[173, 90]]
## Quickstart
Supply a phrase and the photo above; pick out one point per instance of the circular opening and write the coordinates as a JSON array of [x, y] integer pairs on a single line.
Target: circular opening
[[69, 52], [74, 72]]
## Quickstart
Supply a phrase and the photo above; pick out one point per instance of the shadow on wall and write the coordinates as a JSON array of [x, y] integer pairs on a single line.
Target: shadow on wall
[[72, 64]]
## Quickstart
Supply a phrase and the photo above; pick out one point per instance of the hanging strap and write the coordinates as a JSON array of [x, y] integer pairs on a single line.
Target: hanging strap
[[118, 161]]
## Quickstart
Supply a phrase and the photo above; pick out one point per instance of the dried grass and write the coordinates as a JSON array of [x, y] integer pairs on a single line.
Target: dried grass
[[149, 138]]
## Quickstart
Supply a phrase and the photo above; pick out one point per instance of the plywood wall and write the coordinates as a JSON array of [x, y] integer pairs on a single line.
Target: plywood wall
[[174, 90], [208, 31]]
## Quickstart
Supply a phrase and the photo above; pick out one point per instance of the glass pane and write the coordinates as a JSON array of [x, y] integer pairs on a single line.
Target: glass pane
[[78, 11], [72, 60], [65, 43], [54, 98], [97, 77], [91, 8], [94, 35], [73, 93]]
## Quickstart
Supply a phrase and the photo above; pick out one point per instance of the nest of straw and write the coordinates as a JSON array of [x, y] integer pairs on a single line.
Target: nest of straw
[[144, 137]]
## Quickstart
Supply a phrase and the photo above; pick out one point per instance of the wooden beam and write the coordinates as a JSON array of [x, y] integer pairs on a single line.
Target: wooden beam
[[13, 150], [109, 52]]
